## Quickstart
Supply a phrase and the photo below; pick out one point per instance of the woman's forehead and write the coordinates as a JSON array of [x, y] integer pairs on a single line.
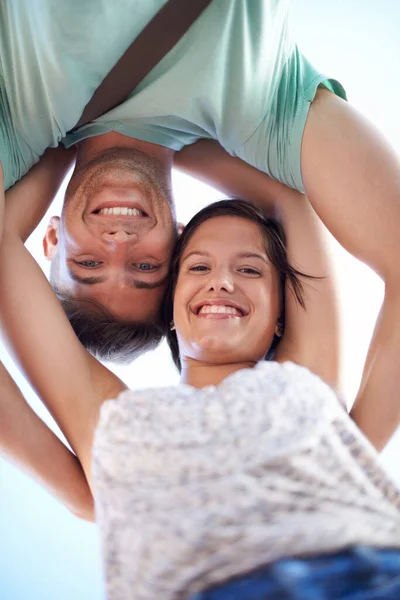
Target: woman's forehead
[[228, 229]]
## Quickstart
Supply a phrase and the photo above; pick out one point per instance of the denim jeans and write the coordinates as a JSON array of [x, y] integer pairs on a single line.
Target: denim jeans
[[360, 573]]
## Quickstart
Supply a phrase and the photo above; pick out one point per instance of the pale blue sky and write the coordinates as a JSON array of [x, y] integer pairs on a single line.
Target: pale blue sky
[[46, 553]]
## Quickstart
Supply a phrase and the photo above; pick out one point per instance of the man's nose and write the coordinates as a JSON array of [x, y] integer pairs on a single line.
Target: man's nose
[[119, 236]]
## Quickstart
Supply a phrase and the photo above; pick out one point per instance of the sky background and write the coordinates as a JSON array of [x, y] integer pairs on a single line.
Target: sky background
[[46, 553]]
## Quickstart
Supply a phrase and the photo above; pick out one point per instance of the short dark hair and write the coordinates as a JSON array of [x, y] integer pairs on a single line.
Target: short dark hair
[[107, 338], [275, 245]]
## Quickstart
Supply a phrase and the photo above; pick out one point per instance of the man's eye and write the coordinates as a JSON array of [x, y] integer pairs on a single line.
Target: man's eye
[[89, 264], [145, 267]]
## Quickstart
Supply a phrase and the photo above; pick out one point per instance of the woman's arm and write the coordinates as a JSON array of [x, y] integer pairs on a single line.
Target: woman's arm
[[312, 336], [29, 444], [28, 200], [71, 383]]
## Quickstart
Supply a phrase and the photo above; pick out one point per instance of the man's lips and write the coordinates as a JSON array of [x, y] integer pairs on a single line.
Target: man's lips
[[124, 197], [109, 208], [196, 308]]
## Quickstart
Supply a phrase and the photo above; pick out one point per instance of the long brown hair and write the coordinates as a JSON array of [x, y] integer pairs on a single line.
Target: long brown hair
[[275, 245]]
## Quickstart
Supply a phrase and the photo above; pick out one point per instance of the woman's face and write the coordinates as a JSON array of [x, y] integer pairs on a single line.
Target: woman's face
[[227, 301]]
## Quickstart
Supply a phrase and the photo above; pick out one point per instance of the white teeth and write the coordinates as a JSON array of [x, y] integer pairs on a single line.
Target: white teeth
[[121, 210], [214, 309]]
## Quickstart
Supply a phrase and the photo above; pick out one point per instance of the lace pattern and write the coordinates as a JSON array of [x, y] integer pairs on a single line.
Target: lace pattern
[[194, 486]]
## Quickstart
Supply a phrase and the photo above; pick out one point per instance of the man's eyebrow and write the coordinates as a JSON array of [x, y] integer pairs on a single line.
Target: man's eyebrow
[[85, 280], [145, 285], [132, 282]]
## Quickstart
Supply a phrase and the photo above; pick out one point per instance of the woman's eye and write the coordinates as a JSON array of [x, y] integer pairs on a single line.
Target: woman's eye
[[145, 267], [249, 271], [89, 264], [198, 268]]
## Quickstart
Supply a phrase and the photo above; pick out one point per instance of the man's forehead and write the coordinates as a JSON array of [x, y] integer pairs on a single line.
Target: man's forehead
[[126, 304]]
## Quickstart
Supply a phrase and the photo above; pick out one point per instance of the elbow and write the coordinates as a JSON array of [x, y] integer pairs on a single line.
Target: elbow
[[83, 507], [86, 512]]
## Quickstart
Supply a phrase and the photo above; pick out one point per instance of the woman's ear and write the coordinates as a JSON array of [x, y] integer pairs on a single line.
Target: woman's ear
[[50, 240], [279, 328], [181, 227]]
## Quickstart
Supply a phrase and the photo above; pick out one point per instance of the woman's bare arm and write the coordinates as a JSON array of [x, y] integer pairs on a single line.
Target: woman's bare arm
[[70, 382], [312, 336], [28, 200], [29, 444]]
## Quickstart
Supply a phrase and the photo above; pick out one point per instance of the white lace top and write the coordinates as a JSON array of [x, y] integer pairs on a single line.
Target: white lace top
[[194, 486]]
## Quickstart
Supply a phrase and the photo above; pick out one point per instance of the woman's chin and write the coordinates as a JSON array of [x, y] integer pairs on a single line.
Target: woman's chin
[[216, 348]]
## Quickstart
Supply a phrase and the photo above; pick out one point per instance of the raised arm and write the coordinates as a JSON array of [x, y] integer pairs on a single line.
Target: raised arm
[[311, 336], [352, 178], [28, 200], [71, 383], [30, 445]]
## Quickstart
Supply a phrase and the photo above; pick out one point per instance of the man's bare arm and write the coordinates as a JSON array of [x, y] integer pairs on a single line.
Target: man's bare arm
[[312, 336], [28, 443], [352, 178]]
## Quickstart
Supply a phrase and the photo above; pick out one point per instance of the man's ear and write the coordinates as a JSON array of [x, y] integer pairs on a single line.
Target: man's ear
[[181, 227], [50, 240]]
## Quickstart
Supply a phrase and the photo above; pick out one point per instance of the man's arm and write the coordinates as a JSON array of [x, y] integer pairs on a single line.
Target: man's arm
[[312, 336], [352, 178], [29, 444]]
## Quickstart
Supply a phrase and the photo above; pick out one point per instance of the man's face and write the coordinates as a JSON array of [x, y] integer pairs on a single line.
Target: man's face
[[113, 243]]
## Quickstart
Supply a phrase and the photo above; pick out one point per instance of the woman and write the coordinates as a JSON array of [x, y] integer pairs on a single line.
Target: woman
[[73, 385], [215, 488]]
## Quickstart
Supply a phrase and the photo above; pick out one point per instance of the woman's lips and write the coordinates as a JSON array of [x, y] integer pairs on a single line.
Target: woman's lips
[[218, 306], [218, 316]]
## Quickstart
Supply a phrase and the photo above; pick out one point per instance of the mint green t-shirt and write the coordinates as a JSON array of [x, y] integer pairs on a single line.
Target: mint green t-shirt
[[220, 81]]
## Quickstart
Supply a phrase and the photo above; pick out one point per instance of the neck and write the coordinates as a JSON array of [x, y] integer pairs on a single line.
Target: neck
[[199, 374], [89, 148]]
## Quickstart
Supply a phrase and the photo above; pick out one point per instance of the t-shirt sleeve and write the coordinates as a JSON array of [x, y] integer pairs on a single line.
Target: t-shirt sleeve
[[5, 159]]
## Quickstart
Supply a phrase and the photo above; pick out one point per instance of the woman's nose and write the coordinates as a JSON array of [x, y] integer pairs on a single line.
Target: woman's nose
[[222, 281]]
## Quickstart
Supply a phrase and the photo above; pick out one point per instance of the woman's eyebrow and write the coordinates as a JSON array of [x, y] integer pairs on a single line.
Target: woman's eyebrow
[[197, 252], [239, 255], [253, 255]]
